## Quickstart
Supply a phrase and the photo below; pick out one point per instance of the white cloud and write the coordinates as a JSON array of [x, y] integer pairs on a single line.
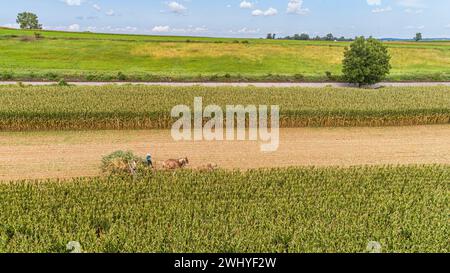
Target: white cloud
[[190, 29], [161, 29], [110, 12], [447, 26], [96, 7], [411, 3], [176, 7], [374, 2], [378, 9], [86, 17], [296, 7], [381, 10], [257, 12], [246, 5], [11, 25], [73, 2], [269, 12], [246, 30], [415, 27], [126, 29], [54, 27], [74, 27], [413, 11], [91, 29]]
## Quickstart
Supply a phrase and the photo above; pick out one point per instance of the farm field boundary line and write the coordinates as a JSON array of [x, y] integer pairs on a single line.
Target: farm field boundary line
[[234, 84]]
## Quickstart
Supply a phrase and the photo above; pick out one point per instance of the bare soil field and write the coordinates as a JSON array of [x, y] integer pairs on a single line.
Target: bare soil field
[[36, 155]]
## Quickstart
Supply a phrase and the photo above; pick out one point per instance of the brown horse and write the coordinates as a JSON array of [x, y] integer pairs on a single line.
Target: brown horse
[[173, 164], [208, 167]]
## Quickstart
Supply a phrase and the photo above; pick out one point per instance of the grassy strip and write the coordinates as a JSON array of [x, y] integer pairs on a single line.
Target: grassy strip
[[95, 76], [149, 107], [91, 76], [282, 210]]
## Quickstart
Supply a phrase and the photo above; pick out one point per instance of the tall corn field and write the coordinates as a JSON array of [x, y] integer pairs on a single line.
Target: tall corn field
[[148, 107], [404, 208]]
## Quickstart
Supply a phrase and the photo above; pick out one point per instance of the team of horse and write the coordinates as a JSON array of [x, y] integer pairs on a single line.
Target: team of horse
[[174, 164]]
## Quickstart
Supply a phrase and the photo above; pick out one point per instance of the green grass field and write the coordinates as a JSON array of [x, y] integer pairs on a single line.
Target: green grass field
[[405, 209], [113, 57], [149, 107]]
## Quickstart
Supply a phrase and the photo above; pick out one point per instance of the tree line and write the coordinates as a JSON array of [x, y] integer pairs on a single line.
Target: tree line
[[328, 37], [306, 37]]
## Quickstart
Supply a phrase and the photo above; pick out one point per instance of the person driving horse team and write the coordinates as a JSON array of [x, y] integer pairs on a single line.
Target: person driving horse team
[[149, 161]]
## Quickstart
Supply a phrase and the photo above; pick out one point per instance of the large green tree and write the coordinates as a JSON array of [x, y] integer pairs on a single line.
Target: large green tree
[[366, 62], [28, 20]]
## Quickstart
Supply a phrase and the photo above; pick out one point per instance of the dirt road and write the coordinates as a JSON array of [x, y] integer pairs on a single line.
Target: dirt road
[[238, 84], [70, 154]]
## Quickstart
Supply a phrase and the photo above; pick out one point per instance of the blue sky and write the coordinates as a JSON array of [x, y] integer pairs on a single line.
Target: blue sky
[[238, 18]]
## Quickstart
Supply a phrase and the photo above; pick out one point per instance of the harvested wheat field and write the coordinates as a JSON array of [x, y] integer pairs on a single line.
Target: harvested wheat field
[[31, 155]]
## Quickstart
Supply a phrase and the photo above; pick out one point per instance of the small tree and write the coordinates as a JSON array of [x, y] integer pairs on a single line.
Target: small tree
[[28, 20], [329, 37], [366, 62], [418, 37], [304, 36]]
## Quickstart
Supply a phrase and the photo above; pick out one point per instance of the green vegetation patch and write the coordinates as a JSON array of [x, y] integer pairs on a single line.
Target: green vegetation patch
[[52, 55]]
